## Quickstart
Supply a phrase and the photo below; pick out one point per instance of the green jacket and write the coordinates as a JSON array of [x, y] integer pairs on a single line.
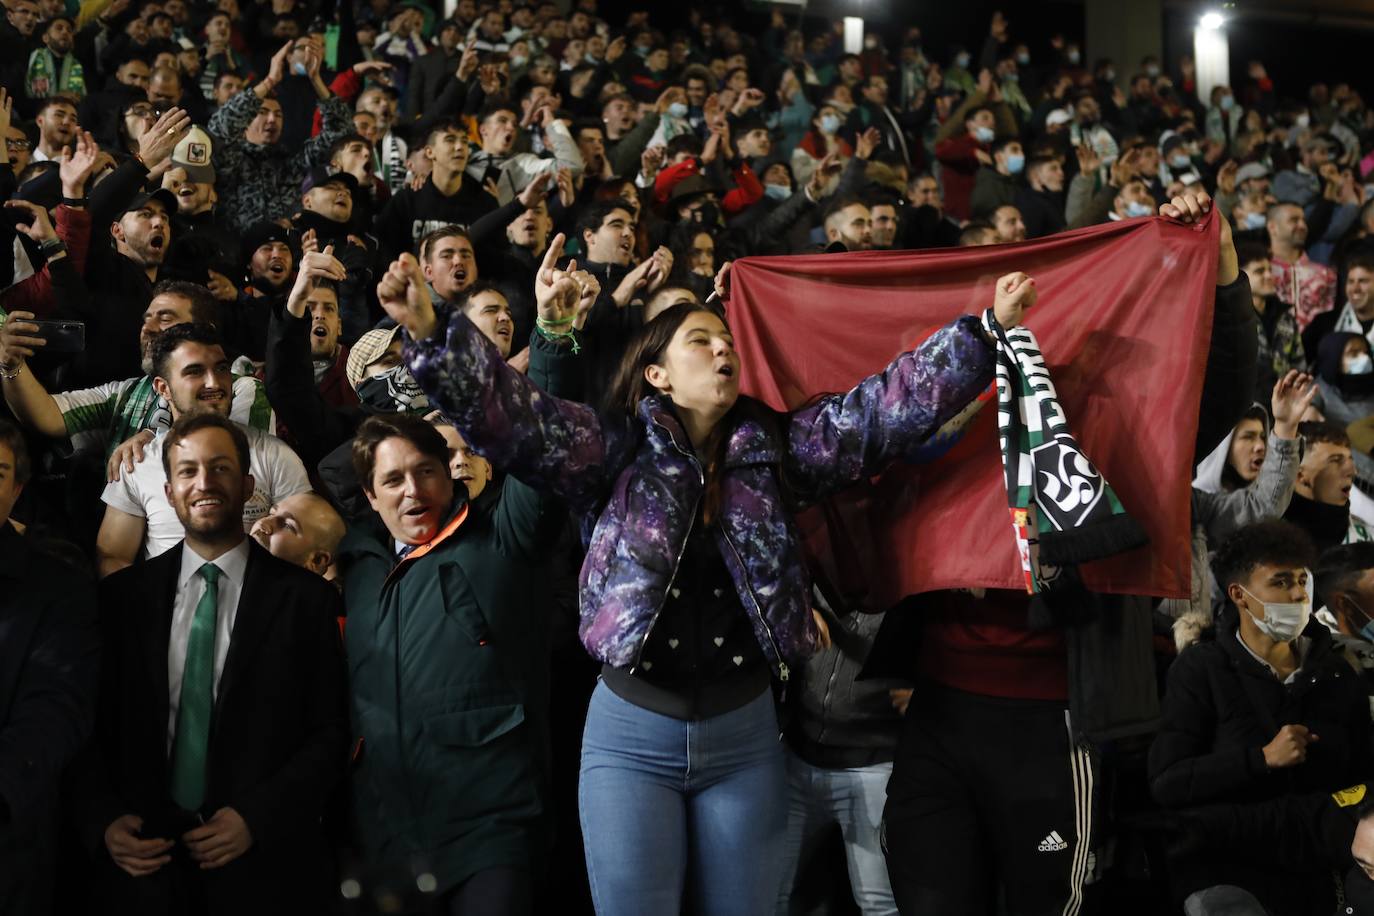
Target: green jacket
[[448, 655]]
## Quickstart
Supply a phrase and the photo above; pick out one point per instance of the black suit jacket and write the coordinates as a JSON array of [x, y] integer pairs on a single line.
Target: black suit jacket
[[48, 662], [278, 739]]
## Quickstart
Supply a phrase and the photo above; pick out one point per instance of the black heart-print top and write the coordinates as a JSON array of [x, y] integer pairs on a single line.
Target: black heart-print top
[[702, 658]]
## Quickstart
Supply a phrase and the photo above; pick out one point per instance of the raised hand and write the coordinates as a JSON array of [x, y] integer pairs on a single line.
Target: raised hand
[[547, 275], [77, 164], [722, 281], [567, 194], [404, 295], [633, 282], [158, 141], [1226, 177], [220, 287], [380, 70], [276, 70], [467, 64], [985, 83], [38, 226], [315, 265], [1292, 396], [615, 49], [1015, 293], [535, 191], [867, 142], [651, 160], [668, 97], [18, 340], [589, 288], [1125, 168], [1088, 160]]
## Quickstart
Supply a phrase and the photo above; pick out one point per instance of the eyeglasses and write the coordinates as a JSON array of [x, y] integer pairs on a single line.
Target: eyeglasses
[[142, 111], [16, 144]]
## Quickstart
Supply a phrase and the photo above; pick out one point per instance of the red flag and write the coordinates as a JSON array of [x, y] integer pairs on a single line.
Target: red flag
[[1124, 318]]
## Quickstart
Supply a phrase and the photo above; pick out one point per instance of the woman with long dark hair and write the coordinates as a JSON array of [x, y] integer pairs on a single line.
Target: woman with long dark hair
[[694, 594]]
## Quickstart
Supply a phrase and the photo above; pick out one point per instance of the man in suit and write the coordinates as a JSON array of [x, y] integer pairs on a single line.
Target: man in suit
[[48, 661], [223, 723]]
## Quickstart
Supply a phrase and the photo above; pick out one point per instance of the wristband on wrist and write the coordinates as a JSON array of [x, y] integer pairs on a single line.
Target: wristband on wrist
[[556, 336], [10, 373], [75, 201], [51, 246]]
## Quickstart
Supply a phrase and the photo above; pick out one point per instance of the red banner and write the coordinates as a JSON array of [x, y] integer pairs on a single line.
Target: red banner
[[1124, 318]]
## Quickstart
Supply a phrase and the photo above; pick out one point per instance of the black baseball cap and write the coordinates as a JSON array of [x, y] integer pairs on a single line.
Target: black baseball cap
[[320, 175], [161, 195]]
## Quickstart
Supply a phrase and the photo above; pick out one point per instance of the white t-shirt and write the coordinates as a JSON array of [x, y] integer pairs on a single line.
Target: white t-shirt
[[277, 473]]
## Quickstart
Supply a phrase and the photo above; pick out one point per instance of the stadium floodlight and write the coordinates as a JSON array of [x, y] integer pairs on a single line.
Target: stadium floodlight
[[1212, 21]]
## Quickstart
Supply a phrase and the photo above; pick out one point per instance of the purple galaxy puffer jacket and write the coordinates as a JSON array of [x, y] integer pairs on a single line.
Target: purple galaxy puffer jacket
[[639, 482]]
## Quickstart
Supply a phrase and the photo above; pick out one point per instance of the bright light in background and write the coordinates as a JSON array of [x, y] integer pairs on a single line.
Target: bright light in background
[[1212, 54], [853, 34]]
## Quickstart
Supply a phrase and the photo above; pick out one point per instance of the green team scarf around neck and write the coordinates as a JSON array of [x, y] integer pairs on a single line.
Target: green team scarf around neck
[[1062, 509], [40, 81]]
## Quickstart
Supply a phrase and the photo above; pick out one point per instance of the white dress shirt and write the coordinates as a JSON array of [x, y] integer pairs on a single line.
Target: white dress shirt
[[190, 587]]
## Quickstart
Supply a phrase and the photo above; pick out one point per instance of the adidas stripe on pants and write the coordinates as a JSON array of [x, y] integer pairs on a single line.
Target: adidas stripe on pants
[[988, 798]]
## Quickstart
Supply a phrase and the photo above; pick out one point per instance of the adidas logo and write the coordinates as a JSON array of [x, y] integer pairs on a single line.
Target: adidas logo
[[1053, 843]]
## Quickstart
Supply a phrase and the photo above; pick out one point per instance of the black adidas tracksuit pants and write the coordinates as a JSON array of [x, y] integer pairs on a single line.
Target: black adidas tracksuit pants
[[989, 798]]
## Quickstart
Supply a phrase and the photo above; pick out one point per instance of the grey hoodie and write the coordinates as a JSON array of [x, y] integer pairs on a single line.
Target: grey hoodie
[[1218, 514]]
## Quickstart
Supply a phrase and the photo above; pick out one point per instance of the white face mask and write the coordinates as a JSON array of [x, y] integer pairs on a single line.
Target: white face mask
[[1361, 364], [1284, 620]]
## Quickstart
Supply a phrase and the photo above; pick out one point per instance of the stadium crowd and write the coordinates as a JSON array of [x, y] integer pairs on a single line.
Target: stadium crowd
[[383, 530]]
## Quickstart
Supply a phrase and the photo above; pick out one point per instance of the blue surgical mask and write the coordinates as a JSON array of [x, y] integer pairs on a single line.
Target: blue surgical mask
[[1023, 59], [983, 133], [1011, 78], [1152, 71], [518, 61], [1228, 102], [777, 191], [1253, 221], [1180, 161], [1360, 364], [677, 110], [1015, 163], [1074, 56], [830, 124], [961, 61], [298, 69], [1135, 208], [1366, 631]]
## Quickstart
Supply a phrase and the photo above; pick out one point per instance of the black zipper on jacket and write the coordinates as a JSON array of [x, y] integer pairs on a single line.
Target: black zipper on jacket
[[677, 563], [780, 665]]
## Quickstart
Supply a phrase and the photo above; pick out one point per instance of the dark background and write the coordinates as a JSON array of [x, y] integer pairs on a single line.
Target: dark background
[[1296, 52]]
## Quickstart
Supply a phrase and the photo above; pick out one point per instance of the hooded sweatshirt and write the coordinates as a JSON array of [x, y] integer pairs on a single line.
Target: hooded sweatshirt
[[1217, 514]]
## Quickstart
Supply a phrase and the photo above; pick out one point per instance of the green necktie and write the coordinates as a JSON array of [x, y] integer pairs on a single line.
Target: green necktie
[[197, 699]]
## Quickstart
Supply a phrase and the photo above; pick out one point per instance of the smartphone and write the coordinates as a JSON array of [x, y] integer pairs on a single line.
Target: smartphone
[[61, 336]]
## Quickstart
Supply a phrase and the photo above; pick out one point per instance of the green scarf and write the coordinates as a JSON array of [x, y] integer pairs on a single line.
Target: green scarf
[[1062, 509], [39, 82]]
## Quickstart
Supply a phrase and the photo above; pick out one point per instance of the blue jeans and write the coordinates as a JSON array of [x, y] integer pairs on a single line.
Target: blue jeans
[[852, 798], [665, 801]]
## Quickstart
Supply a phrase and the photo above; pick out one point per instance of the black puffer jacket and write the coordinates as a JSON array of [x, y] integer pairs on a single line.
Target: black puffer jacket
[[1221, 708]]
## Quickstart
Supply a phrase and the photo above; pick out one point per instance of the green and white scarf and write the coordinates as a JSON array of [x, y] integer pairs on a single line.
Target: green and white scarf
[[44, 78], [1062, 509]]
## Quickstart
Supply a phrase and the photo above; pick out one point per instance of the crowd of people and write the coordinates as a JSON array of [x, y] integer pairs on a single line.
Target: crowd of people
[[383, 529]]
